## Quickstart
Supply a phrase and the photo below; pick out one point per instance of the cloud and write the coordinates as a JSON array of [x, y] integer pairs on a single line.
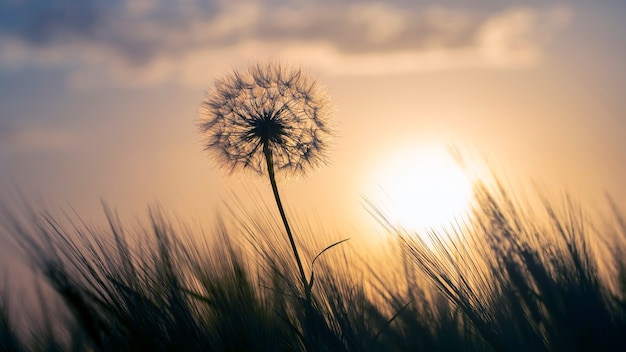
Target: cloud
[[40, 22], [151, 41]]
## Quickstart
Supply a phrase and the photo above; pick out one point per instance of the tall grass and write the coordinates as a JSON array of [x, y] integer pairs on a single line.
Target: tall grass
[[526, 283], [516, 278]]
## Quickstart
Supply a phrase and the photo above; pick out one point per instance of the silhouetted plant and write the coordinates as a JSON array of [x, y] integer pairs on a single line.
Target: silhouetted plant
[[9, 341], [268, 119], [517, 282], [522, 282]]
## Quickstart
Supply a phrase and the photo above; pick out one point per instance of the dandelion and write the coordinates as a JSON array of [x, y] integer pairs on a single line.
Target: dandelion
[[268, 119], [267, 110]]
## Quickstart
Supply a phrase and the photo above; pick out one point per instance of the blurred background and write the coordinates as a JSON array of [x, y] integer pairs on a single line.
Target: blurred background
[[99, 99]]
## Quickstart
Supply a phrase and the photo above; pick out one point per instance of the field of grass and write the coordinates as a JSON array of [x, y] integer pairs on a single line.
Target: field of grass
[[517, 278]]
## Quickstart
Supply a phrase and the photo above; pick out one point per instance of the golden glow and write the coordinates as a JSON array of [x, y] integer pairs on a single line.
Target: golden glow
[[423, 189]]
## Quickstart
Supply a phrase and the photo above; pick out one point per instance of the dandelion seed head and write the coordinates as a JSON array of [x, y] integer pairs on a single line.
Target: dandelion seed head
[[267, 107]]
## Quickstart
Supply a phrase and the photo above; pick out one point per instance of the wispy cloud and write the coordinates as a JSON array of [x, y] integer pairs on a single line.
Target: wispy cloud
[[148, 41]]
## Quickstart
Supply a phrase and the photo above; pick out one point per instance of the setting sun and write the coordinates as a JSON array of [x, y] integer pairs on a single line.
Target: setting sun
[[358, 175], [423, 188]]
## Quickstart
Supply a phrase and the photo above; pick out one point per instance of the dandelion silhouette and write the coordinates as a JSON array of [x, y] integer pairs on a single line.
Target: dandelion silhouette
[[268, 119]]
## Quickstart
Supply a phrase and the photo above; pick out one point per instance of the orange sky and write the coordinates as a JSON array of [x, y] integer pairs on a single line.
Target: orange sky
[[100, 101]]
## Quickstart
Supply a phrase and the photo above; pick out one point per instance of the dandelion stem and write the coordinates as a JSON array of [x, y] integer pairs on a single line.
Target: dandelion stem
[[270, 169]]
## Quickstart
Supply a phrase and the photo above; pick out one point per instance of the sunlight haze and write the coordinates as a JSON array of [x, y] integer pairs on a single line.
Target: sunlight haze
[[99, 100], [421, 188]]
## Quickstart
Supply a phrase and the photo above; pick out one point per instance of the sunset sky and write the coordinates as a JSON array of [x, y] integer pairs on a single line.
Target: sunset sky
[[99, 99]]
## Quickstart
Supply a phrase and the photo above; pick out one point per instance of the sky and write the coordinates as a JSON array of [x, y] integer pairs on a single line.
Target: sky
[[99, 99]]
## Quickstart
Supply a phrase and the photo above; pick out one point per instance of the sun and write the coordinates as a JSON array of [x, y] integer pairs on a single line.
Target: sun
[[423, 189]]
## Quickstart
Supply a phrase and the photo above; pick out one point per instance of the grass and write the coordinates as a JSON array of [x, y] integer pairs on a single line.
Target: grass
[[523, 278]]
